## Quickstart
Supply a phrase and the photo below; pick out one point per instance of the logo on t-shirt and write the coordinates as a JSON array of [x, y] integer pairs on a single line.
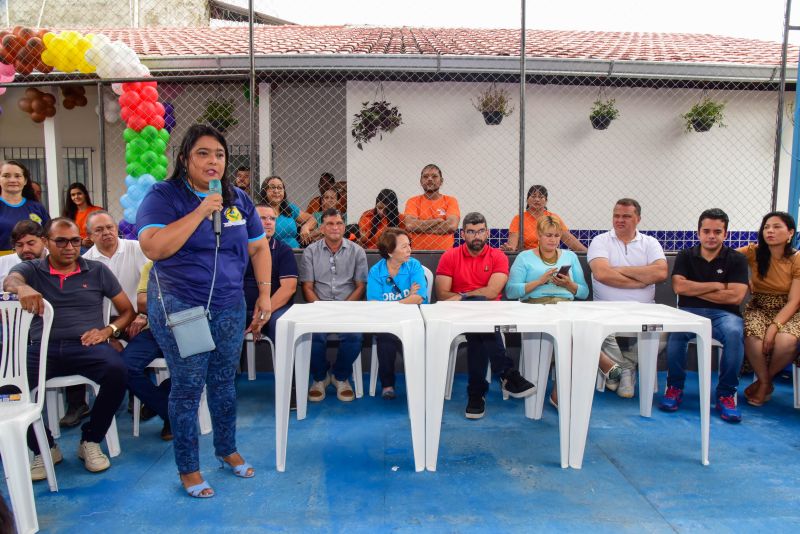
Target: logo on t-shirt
[[441, 212], [234, 217], [35, 218]]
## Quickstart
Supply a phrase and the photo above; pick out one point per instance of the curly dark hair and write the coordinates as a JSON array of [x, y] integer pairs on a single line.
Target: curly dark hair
[[763, 254]]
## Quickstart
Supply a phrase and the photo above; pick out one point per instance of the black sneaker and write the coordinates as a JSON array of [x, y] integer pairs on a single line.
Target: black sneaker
[[515, 385], [476, 407], [73, 416]]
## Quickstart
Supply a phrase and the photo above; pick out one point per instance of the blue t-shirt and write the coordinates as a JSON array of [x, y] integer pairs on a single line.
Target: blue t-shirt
[[187, 273], [283, 266], [286, 227], [381, 286], [11, 214]]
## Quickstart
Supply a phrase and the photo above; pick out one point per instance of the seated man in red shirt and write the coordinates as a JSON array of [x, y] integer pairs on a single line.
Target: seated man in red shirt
[[476, 271]]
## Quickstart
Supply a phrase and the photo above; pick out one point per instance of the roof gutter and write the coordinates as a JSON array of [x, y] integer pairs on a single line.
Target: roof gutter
[[474, 64]]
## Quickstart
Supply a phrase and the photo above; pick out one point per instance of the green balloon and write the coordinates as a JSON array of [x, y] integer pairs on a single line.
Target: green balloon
[[131, 156], [135, 169], [149, 132], [129, 134], [158, 145], [149, 159], [158, 172], [139, 145], [164, 135], [163, 161]]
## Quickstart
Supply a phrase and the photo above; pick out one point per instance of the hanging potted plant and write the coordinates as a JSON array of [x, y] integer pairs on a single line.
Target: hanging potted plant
[[219, 115], [494, 104], [375, 118], [704, 114], [603, 112]]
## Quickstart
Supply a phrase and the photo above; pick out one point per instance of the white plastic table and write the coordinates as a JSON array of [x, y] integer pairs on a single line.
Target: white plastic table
[[293, 343], [542, 328], [592, 322]]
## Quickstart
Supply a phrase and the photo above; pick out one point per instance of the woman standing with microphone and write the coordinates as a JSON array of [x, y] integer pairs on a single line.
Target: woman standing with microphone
[[196, 268]]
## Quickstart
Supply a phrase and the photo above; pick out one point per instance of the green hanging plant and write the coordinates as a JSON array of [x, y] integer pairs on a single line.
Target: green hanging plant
[[704, 114], [375, 118], [494, 104], [603, 112], [219, 114]]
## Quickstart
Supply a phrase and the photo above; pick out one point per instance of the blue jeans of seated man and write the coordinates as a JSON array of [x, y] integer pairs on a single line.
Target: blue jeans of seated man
[[727, 328], [349, 349], [481, 348], [99, 363], [216, 370], [269, 328], [142, 350]]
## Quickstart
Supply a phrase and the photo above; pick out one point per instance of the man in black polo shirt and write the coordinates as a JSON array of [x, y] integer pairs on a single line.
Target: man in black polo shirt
[[75, 288], [711, 280]]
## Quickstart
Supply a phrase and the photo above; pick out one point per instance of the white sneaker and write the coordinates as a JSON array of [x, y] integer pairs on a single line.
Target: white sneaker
[[343, 390], [316, 393], [627, 384], [38, 471], [93, 458]]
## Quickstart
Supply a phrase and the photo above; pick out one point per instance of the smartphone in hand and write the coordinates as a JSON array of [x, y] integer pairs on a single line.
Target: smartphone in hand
[[564, 270]]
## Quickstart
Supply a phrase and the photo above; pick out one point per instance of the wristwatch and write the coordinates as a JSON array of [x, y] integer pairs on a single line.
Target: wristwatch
[[115, 331]]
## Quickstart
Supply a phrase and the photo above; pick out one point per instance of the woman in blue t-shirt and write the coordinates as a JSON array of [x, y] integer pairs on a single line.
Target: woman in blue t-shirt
[[400, 278], [176, 231], [17, 202], [289, 215]]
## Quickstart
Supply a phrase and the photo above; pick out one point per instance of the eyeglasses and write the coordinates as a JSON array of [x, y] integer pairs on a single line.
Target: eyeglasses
[[61, 242], [390, 280], [473, 233], [275, 188]]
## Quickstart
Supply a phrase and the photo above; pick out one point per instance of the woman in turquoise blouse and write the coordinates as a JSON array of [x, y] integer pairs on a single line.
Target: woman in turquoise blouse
[[398, 278], [289, 215], [534, 278]]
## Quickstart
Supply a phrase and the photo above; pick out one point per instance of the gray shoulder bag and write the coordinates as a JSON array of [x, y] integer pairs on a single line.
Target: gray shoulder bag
[[190, 327]]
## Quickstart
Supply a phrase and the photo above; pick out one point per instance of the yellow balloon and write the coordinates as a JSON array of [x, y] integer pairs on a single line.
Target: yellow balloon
[[46, 38]]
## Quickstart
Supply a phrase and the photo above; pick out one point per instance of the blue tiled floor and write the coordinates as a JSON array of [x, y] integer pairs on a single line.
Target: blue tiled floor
[[349, 467]]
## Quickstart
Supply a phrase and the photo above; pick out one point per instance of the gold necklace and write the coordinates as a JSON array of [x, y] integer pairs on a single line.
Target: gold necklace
[[549, 261]]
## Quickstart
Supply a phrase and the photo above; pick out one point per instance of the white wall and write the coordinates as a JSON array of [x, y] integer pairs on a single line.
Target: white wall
[[645, 154]]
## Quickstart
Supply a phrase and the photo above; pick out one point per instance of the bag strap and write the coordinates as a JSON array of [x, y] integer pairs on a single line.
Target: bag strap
[[210, 293]]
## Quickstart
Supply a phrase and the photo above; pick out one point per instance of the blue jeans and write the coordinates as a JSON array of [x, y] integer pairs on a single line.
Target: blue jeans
[[349, 349], [216, 370], [99, 363], [727, 328], [142, 350]]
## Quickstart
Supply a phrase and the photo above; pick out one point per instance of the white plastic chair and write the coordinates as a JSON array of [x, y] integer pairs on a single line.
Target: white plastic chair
[[17, 415], [159, 365], [250, 345], [373, 365]]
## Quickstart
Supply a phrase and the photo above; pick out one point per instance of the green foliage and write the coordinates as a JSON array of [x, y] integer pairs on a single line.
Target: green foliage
[[704, 115], [604, 108], [375, 118], [494, 100], [219, 114]]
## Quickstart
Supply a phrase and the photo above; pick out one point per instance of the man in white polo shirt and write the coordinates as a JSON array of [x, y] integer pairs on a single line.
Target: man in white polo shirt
[[625, 265]]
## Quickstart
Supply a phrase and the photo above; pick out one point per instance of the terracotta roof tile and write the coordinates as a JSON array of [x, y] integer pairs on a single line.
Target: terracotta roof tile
[[343, 40]]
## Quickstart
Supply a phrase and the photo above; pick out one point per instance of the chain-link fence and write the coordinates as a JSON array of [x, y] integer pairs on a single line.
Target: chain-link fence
[[361, 140]]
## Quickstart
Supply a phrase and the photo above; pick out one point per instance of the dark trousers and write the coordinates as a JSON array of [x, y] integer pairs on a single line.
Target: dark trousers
[[142, 350], [99, 363], [388, 347], [482, 348]]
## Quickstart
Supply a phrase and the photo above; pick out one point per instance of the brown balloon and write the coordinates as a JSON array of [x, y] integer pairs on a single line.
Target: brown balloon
[[32, 92], [69, 103], [25, 105], [81, 101], [38, 117], [38, 105], [50, 112], [50, 99]]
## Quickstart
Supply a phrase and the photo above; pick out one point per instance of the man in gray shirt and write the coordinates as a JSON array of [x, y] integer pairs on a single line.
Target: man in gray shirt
[[333, 268]]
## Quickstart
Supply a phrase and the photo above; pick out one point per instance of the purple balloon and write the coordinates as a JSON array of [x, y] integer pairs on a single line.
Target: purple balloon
[[169, 117]]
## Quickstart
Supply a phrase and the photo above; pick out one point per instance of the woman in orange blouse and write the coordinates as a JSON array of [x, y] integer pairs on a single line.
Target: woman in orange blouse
[[78, 206], [384, 215], [771, 324], [537, 207]]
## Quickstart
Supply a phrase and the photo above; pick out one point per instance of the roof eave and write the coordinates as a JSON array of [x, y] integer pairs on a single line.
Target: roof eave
[[475, 64]]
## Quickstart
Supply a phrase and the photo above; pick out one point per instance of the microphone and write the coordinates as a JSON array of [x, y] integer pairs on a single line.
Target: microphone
[[215, 186]]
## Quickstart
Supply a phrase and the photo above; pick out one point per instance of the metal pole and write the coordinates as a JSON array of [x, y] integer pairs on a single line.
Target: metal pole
[[779, 126], [103, 169], [254, 174], [522, 199]]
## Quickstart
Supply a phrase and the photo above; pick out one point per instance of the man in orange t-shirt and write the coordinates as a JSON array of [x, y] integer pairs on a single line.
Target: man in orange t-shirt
[[432, 218]]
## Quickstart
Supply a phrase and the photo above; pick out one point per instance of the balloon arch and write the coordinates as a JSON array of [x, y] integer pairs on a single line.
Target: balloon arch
[[23, 50]]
